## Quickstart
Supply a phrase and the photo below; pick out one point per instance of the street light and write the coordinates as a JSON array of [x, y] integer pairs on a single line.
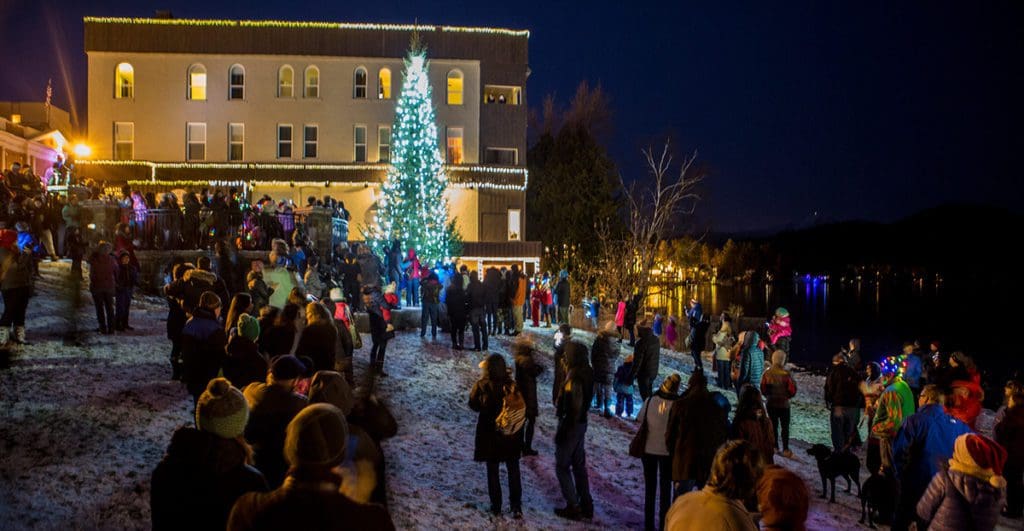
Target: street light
[[82, 151]]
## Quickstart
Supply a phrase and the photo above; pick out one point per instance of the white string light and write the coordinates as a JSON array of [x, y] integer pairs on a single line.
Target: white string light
[[303, 25]]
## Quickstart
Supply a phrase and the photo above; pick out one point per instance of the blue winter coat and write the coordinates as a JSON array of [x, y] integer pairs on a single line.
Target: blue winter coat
[[912, 374], [923, 444]]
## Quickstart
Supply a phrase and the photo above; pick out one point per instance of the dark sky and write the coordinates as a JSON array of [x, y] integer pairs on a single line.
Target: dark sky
[[854, 110]]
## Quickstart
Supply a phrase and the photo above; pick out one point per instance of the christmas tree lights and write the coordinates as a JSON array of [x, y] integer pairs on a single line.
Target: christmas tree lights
[[413, 208]]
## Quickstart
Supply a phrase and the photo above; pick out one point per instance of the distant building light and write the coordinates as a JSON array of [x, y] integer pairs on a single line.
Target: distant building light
[[15, 118]]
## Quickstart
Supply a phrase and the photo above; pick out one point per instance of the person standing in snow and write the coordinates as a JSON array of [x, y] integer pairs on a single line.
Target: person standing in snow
[[202, 345], [778, 388], [751, 423], [563, 296], [894, 405], [457, 306], [103, 285], [527, 370], [697, 426], [724, 340], [698, 340], [780, 332], [16, 266], [646, 360], [491, 445], [573, 408], [602, 358], [272, 405], [844, 400], [476, 302], [751, 361], [656, 460]]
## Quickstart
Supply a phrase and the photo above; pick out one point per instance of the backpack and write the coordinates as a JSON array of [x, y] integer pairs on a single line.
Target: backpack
[[513, 411]]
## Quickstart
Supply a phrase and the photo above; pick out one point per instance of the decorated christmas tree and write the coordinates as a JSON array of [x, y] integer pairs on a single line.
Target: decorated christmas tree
[[413, 208]]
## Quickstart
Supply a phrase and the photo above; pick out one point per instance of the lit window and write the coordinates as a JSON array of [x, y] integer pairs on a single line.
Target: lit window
[[360, 143], [502, 95], [384, 84], [236, 82], [124, 81], [196, 141], [454, 145], [124, 140], [197, 83], [309, 140], [384, 143], [284, 141], [236, 141], [514, 222], [455, 79], [285, 82], [15, 119], [359, 88], [312, 82]]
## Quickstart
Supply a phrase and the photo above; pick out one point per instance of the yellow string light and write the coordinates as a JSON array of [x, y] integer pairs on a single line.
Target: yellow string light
[[303, 25]]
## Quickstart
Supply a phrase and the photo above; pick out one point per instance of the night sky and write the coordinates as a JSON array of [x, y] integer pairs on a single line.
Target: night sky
[[870, 110]]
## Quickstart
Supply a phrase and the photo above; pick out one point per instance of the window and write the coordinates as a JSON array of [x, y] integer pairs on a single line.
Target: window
[[359, 88], [284, 141], [285, 82], [196, 141], [384, 84], [502, 95], [236, 83], [454, 145], [309, 138], [384, 143], [124, 140], [360, 143], [196, 83], [124, 82], [236, 141], [503, 156], [312, 82], [514, 215], [455, 79]]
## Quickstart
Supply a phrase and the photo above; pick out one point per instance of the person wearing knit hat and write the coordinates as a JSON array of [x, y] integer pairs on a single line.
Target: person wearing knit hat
[[969, 494], [222, 409], [244, 364], [311, 497], [206, 468], [782, 499]]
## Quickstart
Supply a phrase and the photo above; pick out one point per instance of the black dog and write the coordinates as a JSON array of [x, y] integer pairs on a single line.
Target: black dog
[[833, 465], [877, 499]]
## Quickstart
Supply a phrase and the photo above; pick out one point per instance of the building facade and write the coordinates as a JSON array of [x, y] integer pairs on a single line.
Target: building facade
[[293, 110]]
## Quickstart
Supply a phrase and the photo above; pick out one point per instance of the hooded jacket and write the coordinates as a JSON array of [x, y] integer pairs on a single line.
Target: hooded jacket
[[197, 281], [955, 501], [646, 354], [198, 481]]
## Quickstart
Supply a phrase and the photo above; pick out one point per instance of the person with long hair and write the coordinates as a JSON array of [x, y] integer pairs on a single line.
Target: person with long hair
[[491, 445], [735, 472], [241, 303], [724, 339], [279, 338], [751, 423]]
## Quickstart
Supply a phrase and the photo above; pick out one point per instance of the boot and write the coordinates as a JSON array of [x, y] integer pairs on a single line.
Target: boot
[[19, 335], [570, 512], [5, 334]]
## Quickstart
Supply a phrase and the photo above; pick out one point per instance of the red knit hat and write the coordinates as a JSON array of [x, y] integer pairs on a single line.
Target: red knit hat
[[984, 453]]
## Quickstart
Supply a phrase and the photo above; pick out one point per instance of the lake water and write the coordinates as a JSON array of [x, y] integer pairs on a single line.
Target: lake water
[[825, 314]]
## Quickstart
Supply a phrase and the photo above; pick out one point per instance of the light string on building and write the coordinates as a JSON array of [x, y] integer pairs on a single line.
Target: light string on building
[[303, 25]]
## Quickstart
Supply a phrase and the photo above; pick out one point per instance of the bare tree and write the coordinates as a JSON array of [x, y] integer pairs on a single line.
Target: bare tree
[[652, 208]]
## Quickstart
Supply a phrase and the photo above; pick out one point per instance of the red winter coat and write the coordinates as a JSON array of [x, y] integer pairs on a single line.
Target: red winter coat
[[967, 397]]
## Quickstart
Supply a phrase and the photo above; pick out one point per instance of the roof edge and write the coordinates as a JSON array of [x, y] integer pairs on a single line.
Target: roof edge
[[300, 25]]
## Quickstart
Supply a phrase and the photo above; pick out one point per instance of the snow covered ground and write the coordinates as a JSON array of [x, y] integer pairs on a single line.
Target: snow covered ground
[[83, 423]]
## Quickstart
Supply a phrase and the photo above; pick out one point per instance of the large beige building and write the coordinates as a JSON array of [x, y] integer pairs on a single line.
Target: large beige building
[[295, 109]]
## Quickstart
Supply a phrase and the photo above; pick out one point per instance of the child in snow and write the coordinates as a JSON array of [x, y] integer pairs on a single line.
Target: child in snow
[[671, 332], [624, 388], [780, 331], [390, 303]]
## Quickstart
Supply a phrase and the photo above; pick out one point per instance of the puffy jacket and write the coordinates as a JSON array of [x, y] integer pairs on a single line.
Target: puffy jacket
[[778, 387], [842, 387], [751, 363], [955, 501], [646, 354], [198, 481], [922, 445]]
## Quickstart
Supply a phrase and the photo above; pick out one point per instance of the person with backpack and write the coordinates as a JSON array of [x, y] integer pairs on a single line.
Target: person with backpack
[[499, 431]]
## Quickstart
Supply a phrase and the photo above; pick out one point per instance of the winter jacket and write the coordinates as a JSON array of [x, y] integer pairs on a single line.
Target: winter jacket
[[646, 354], [306, 505], [558, 360], [707, 510], [492, 283], [890, 410], [573, 405], [955, 501], [277, 339], [527, 369], [457, 304], [697, 426], [699, 339], [966, 400], [202, 350], [778, 387], [751, 364], [759, 432], [102, 273], [244, 364], [370, 269], [282, 280], [922, 445], [176, 316], [562, 293], [258, 290], [602, 357], [655, 413], [724, 341], [319, 342], [914, 369], [314, 286], [1009, 432], [517, 290], [782, 499], [196, 283], [620, 314], [487, 398], [476, 296], [632, 307], [779, 328], [624, 379], [127, 277], [197, 482], [842, 387], [271, 408], [430, 291]]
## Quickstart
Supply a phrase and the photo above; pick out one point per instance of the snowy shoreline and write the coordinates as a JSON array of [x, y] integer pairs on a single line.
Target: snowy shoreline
[[83, 426]]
